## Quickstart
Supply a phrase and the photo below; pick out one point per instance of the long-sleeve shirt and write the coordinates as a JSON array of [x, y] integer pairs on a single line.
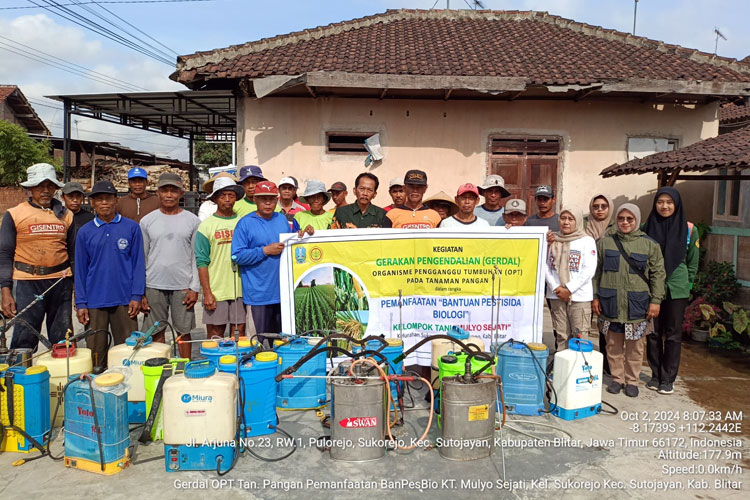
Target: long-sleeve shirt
[[260, 272], [110, 265], [582, 265], [35, 236], [136, 208], [623, 295], [168, 242]]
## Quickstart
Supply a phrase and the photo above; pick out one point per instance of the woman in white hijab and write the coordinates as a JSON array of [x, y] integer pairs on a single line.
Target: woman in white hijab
[[571, 265]]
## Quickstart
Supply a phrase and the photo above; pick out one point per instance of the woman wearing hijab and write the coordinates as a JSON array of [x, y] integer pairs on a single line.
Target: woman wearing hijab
[[599, 222], [629, 286], [571, 265], [678, 240], [600, 216]]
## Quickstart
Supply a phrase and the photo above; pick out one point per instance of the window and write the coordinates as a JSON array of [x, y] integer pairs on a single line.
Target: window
[[638, 147], [352, 143], [727, 196]]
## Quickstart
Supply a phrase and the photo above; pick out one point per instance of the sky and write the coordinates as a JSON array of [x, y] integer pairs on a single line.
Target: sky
[[190, 26]]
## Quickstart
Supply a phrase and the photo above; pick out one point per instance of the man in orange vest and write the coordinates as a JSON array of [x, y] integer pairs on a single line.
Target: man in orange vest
[[36, 237]]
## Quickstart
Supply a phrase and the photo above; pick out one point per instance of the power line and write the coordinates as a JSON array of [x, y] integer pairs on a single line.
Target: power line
[[98, 28], [27, 7], [123, 30], [25, 54], [84, 22], [135, 27], [55, 59]]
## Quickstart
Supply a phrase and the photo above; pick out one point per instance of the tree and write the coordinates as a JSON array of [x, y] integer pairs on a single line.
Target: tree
[[212, 154], [18, 152]]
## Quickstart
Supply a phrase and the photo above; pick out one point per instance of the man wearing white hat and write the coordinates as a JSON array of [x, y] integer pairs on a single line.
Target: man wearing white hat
[[219, 279], [493, 190], [35, 240], [287, 202]]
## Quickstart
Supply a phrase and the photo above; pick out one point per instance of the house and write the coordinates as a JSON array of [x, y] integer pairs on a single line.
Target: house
[[15, 108], [533, 97]]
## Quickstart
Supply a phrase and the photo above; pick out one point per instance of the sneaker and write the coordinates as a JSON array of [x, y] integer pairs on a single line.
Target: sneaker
[[666, 388], [653, 384], [614, 388], [631, 391]]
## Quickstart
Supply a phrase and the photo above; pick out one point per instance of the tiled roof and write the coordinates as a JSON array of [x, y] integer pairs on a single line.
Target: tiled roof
[[731, 113], [725, 150], [542, 49], [22, 109], [6, 91]]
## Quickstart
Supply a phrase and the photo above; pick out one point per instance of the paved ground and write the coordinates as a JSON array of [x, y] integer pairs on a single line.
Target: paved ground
[[655, 447]]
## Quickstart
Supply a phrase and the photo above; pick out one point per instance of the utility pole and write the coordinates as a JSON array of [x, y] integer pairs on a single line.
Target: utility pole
[[635, 15]]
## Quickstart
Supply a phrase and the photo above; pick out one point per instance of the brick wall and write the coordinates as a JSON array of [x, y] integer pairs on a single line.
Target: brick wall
[[10, 197]]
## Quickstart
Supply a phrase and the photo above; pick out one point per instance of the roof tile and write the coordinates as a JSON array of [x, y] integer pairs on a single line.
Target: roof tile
[[543, 48], [724, 151]]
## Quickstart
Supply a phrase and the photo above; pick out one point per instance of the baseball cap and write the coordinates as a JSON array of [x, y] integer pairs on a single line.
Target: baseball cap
[[103, 187], [170, 179], [288, 180], [250, 171], [494, 180], [515, 205], [467, 188], [137, 173], [266, 188], [545, 190], [396, 181], [417, 177], [72, 187], [337, 186]]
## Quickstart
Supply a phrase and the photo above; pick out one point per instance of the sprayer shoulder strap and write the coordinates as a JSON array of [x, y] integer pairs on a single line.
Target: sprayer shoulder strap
[[629, 260], [155, 404]]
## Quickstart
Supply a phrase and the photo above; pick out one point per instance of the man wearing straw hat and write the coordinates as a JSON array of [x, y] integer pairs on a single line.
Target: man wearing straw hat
[[36, 237], [208, 207]]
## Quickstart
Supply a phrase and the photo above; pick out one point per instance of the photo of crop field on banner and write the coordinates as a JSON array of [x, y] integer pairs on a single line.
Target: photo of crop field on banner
[[350, 280]]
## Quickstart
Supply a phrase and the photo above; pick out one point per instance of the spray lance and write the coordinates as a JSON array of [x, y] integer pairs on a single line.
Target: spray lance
[[14, 319]]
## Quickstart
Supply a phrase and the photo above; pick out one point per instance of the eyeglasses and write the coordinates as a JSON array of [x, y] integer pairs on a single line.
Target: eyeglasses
[[600, 207], [629, 220]]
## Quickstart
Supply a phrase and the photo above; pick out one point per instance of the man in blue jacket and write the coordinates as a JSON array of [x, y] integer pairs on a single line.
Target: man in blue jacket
[[256, 249], [110, 272]]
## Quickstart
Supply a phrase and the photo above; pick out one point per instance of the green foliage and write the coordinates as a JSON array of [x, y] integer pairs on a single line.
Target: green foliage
[[739, 318], [349, 295], [212, 154], [703, 230], [716, 284], [18, 152], [314, 308]]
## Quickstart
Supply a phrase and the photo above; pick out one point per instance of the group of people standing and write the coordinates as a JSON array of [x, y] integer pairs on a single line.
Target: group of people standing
[[143, 253], [636, 277]]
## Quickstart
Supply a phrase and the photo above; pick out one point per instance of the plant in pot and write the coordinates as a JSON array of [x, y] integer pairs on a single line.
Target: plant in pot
[[700, 317]]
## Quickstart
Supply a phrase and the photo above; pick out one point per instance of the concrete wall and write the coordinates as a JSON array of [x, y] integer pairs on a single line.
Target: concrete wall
[[449, 140]]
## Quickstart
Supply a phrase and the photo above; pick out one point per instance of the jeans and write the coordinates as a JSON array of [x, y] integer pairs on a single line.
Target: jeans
[[57, 306]]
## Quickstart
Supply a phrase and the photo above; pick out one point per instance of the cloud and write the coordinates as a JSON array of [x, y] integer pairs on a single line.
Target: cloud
[[82, 47]]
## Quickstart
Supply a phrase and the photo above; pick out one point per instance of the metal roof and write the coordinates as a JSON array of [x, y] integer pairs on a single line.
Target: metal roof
[[204, 114]]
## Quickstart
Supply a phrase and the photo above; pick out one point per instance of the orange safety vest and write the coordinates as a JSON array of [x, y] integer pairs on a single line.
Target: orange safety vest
[[41, 239]]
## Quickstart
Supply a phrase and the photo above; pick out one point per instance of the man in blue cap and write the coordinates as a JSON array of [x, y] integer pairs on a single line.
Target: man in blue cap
[[138, 201], [250, 175]]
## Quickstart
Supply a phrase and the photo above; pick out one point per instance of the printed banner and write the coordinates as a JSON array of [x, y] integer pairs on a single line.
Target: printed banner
[[350, 280]]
